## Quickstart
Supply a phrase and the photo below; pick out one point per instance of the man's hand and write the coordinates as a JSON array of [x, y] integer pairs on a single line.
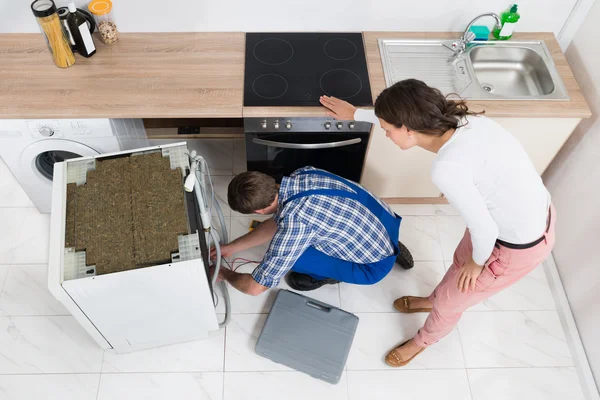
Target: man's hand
[[227, 250], [211, 271], [467, 276], [340, 109]]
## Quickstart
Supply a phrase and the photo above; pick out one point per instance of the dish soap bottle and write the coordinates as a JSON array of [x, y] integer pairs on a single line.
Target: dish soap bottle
[[80, 31], [509, 20]]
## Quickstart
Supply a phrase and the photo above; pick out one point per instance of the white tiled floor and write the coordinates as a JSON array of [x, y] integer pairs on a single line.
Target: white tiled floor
[[509, 347]]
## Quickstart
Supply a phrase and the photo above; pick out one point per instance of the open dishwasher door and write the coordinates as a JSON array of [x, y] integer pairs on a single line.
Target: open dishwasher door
[[125, 293]]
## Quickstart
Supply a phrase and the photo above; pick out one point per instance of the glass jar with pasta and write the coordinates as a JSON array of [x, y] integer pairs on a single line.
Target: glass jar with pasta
[[102, 12], [52, 29]]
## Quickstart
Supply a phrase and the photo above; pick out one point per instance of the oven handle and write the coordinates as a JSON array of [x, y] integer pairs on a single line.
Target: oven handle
[[307, 146]]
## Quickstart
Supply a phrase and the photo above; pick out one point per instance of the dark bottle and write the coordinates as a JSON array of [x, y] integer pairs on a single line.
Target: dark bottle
[[78, 25]]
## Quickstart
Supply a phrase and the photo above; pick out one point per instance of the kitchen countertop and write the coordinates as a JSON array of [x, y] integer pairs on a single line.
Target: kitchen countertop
[[195, 75]]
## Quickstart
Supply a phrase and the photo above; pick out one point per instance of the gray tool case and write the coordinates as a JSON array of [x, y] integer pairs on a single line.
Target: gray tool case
[[308, 335]]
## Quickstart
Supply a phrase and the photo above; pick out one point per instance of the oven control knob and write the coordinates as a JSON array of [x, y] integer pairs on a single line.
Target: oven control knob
[[263, 124], [288, 125], [351, 125], [327, 125], [276, 124], [339, 125], [46, 131]]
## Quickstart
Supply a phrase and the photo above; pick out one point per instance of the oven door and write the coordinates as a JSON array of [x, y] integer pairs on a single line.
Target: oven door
[[280, 154]]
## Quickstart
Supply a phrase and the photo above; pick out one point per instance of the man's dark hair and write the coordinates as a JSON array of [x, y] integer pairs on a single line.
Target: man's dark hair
[[420, 108], [251, 191]]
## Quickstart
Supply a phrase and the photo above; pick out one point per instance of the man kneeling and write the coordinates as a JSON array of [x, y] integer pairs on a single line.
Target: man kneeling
[[325, 230]]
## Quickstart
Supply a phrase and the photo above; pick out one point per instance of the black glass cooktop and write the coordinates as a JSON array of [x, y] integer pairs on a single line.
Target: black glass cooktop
[[295, 69]]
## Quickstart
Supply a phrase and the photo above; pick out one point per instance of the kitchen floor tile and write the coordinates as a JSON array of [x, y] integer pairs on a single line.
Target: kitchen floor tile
[[513, 339], [241, 337], [26, 292], [239, 156], [46, 345], [378, 333], [239, 227], [49, 387], [220, 183], [445, 209], [418, 281], [408, 385], [197, 356], [288, 385], [525, 384], [452, 230], [218, 153], [413, 209], [530, 293], [12, 221], [11, 193], [420, 235], [182, 386], [32, 243]]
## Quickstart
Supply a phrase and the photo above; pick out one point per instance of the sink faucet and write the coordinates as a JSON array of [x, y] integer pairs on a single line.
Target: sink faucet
[[460, 46]]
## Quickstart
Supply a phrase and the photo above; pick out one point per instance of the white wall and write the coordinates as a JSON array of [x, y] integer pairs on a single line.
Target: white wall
[[574, 181], [303, 15]]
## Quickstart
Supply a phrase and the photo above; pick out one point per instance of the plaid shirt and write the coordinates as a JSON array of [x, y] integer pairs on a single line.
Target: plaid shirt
[[339, 227]]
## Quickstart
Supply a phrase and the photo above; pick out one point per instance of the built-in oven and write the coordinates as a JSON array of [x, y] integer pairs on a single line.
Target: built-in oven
[[279, 146]]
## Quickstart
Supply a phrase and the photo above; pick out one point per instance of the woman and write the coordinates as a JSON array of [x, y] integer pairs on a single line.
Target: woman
[[488, 177]]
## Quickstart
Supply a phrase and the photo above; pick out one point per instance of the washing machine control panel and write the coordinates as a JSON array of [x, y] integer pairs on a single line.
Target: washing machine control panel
[[70, 128]]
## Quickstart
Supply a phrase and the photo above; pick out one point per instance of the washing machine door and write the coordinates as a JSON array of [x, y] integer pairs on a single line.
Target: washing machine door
[[37, 167], [40, 156]]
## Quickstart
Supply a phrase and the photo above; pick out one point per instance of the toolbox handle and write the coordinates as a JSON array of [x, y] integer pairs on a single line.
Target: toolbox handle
[[318, 306]]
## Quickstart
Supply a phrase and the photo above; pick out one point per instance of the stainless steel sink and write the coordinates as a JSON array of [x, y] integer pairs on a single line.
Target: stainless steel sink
[[515, 70]]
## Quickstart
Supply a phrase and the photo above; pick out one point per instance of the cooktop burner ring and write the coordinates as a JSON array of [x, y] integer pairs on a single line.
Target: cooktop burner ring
[[348, 74], [272, 82], [273, 47], [340, 49]]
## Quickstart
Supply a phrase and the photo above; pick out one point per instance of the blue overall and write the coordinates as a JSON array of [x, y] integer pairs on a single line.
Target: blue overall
[[321, 266]]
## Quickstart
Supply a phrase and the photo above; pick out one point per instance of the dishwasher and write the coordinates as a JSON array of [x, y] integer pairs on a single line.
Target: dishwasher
[[129, 245]]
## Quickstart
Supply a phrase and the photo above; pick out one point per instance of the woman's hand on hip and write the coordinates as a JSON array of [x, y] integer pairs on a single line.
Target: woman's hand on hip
[[467, 276], [340, 109]]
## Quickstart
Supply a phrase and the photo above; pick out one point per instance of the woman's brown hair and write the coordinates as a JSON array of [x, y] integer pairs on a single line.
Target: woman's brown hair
[[420, 108]]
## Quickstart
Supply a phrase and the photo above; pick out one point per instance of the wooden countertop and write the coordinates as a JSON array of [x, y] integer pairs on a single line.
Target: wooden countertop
[[576, 107], [194, 75], [158, 75]]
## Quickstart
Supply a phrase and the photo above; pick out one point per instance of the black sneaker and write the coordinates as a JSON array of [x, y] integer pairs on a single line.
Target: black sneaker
[[304, 283], [404, 258]]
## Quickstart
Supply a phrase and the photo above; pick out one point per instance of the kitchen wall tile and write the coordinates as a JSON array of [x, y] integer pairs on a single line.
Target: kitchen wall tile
[[49, 387], [530, 293], [409, 385], [513, 339], [288, 385], [12, 221], [525, 384], [196, 356], [32, 243], [182, 386], [241, 337], [452, 230], [420, 235], [239, 156], [378, 333], [11, 193], [418, 281], [46, 345], [26, 292]]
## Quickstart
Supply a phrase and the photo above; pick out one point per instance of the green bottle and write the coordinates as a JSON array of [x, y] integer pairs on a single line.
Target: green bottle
[[509, 20]]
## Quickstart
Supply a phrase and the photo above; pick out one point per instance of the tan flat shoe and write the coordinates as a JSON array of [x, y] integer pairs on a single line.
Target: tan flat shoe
[[403, 305], [393, 359]]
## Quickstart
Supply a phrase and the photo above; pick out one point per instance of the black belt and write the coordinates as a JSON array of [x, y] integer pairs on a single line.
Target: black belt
[[527, 245]]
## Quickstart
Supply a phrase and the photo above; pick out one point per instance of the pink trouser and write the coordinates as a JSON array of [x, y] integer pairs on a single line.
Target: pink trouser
[[504, 267]]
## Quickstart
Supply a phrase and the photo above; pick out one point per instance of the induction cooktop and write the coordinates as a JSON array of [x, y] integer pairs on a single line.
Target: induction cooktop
[[295, 69]]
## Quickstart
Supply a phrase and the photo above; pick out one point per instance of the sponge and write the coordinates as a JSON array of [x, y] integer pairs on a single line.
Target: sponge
[[481, 32]]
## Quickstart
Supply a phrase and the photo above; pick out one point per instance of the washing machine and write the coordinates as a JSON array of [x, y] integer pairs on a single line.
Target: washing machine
[[31, 147]]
